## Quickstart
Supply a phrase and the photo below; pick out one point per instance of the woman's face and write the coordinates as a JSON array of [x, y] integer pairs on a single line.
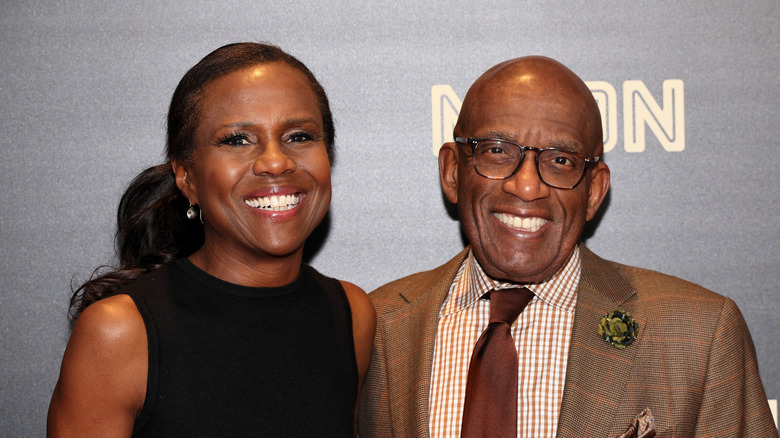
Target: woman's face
[[260, 170]]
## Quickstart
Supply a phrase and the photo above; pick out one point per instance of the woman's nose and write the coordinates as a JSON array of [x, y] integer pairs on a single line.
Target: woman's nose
[[273, 160]]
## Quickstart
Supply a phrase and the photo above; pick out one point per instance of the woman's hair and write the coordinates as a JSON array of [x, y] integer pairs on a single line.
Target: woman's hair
[[152, 228]]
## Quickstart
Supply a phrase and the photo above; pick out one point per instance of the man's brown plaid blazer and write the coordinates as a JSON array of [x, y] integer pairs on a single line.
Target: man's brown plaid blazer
[[693, 362]]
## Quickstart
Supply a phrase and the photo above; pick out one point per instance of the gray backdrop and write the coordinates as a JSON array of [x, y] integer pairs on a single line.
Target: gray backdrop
[[85, 87]]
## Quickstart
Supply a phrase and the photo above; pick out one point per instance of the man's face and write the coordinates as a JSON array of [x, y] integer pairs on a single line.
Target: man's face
[[521, 229]]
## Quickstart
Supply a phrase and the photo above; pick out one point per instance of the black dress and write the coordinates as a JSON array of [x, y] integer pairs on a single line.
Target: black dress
[[232, 361]]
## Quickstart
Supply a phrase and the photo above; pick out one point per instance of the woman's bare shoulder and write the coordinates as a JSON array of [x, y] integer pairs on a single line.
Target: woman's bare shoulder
[[102, 383]]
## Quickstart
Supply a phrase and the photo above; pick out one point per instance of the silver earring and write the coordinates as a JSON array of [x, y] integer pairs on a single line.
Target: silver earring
[[191, 213]]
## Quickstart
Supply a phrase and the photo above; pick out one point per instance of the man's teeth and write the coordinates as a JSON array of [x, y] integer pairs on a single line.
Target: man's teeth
[[275, 203], [521, 223]]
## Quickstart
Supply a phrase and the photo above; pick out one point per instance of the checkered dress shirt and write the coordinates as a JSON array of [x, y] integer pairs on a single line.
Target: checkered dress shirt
[[542, 333]]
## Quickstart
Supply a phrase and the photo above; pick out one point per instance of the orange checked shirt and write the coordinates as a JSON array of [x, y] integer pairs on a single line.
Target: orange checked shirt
[[541, 333]]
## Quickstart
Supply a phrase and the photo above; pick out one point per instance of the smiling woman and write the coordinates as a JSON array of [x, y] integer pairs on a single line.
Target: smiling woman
[[212, 325], [248, 153]]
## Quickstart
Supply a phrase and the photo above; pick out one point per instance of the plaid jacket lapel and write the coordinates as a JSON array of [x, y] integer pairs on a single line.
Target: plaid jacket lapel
[[596, 371], [409, 361]]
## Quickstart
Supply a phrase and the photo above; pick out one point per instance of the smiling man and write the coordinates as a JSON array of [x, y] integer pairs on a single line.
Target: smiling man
[[528, 333]]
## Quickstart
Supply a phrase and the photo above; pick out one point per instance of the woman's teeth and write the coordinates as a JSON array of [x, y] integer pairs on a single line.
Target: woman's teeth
[[275, 202]]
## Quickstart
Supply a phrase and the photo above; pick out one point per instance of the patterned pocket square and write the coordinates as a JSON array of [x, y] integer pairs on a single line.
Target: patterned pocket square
[[643, 426]]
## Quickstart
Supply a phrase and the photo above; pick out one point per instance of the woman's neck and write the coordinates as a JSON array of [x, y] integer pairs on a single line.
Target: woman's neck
[[255, 271]]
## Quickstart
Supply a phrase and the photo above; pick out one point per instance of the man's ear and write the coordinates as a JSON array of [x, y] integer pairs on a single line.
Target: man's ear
[[184, 182], [599, 186], [448, 171]]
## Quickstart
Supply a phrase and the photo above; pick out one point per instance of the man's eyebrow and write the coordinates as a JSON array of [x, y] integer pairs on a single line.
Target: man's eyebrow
[[497, 135], [569, 145]]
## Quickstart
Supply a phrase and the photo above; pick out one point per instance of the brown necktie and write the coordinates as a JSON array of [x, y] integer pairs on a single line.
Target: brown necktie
[[490, 409]]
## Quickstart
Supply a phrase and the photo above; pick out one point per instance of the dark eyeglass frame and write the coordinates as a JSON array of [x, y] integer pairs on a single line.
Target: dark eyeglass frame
[[474, 141]]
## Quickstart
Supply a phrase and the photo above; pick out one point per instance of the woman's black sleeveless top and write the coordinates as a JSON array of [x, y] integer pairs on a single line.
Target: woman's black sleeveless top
[[235, 361]]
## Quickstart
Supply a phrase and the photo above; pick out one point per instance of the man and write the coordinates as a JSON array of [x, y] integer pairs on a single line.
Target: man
[[526, 173]]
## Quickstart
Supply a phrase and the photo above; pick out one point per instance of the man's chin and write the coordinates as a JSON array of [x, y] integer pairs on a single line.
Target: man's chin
[[518, 270]]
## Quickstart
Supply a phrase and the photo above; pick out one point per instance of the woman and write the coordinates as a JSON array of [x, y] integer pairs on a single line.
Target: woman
[[211, 325]]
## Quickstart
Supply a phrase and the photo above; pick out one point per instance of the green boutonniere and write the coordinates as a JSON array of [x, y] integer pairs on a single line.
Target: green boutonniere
[[618, 328]]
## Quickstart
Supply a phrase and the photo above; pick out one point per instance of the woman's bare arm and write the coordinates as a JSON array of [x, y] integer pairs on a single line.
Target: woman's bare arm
[[363, 325], [102, 383]]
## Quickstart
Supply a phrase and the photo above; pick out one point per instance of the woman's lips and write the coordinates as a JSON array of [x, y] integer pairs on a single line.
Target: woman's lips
[[275, 202]]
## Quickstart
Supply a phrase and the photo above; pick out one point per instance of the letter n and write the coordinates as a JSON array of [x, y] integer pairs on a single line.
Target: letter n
[[445, 106], [667, 123], [606, 98]]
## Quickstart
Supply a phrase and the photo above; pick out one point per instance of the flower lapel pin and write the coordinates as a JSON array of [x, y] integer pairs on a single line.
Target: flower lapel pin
[[618, 328]]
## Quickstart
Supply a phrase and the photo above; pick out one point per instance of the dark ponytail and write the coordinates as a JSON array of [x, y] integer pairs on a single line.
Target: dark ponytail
[[152, 230], [151, 221]]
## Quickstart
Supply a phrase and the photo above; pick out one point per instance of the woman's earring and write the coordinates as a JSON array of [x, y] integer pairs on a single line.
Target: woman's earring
[[191, 213]]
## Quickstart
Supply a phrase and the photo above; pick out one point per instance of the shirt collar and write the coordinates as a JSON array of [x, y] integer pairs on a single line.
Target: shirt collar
[[471, 283]]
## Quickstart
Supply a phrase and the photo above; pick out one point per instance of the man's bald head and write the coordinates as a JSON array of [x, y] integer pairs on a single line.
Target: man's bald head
[[536, 79]]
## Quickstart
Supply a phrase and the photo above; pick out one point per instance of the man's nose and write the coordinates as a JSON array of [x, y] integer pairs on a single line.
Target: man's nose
[[526, 183]]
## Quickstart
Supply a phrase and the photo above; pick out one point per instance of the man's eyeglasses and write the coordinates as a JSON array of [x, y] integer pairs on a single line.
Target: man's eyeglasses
[[499, 159]]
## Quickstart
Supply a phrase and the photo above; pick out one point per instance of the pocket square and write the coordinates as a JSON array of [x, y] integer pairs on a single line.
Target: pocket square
[[643, 426]]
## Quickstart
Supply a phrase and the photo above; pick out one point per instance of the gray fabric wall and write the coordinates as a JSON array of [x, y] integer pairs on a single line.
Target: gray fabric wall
[[85, 86]]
